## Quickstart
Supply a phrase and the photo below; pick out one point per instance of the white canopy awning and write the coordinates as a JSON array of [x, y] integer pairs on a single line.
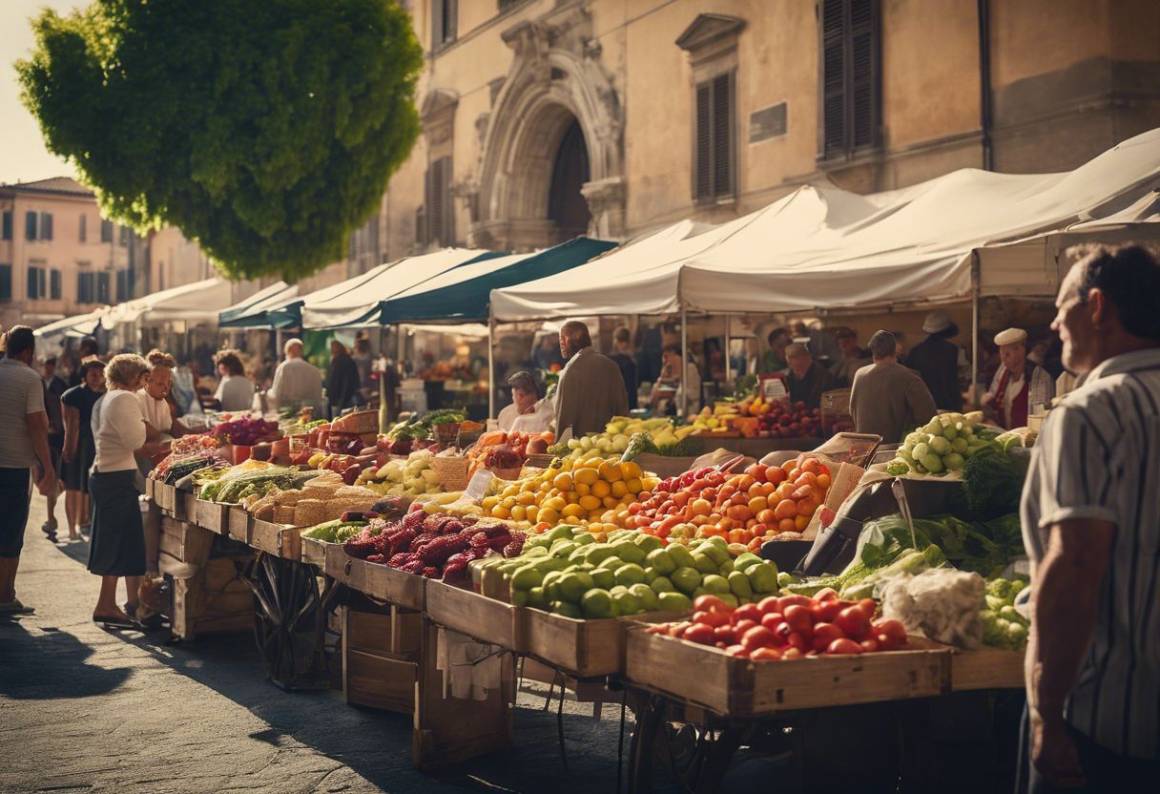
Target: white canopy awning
[[77, 325], [356, 300], [200, 301]]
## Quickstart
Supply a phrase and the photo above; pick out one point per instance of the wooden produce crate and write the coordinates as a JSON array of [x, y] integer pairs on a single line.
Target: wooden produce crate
[[149, 488], [215, 600], [185, 505], [731, 687], [183, 543], [380, 658], [281, 540], [164, 495], [314, 551], [375, 580], [238, 524], [986, 668], [582, 648], [478, 616], [214, 516]]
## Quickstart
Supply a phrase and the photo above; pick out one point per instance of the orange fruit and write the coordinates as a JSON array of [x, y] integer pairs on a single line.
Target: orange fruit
[[786, 508]]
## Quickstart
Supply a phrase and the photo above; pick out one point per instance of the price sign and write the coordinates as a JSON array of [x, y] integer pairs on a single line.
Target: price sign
[[477, 486], [773, 389]]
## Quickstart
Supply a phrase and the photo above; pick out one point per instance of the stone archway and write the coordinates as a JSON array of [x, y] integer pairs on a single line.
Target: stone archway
[[555, 83]]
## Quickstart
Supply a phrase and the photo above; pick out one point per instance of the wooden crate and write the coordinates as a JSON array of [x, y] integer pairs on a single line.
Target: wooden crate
[[149, 488], [986, 668], [708, 677], [164, 495], [281, 540], [314, 551], [215, 600], [377, 580], [449, 730], [390, 630], [478, 616], [582, 648], [214, 516], [185, 542], [238, 524]]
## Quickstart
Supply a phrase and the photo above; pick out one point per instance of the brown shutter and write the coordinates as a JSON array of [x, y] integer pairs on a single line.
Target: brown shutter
[[723, 135], [833, 76], [436, 214], [436, 24], [448, 204], [703, 187], [451, 23], [864, 72]]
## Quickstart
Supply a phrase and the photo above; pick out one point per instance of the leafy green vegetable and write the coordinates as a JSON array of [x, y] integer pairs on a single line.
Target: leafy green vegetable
[[993, 483]]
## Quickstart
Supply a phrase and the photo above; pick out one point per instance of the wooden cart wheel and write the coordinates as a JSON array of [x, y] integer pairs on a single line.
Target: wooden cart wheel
[[289, 621]]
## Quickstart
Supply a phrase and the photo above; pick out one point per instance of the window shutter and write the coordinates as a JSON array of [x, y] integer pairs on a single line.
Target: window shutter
[[103, 287], [863, 72], [723, 135], [436, 24], [451, 21], [7, 224], [30, 226], [54, 284], [704, 133], [106, 231], [5, 282], [448, 205], [30, 286], [436, 213], [46, 225], [421, 226], [84, 228], [834, 76]]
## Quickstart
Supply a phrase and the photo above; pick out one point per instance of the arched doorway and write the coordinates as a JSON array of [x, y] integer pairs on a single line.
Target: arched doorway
[[567, 207]]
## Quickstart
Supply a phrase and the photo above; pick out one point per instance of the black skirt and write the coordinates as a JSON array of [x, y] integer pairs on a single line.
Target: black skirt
[[118, 543]]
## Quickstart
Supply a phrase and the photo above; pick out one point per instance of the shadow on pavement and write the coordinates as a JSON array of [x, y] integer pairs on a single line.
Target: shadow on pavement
[[77, 550], [44, 664], [377, 745]]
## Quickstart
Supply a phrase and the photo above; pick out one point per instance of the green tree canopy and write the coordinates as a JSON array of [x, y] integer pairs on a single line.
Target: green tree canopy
[[264, 129]]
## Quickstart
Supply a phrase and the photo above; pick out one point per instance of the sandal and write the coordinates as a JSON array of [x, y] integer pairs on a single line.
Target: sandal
[[115, 622]]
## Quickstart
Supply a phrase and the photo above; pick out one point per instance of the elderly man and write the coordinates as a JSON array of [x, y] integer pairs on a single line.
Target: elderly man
[[806, 379], [527, 412], [1019, 385], [852, 357], [297, 382], [591, 389], [1091, 525], [888, 399]]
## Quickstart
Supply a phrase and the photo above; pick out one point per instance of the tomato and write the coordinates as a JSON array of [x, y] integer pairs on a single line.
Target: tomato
[[700, 633], [790, 600], [758, 637], [710, 603], [870, 605], [799, 618], [740, 651], [771, 620], [721, 644], [826, 594], [713, 619], [791, 653], [828, 632], [766, 654], [895, 629], [725, 634], [742, 626], [747, 612], [869, 646], [797, 640], [826, 611], [844, 646], [854, 622], [769, 605]]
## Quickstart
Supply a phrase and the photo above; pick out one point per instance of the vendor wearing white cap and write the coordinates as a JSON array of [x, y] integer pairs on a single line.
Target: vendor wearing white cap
[[937, 359], [1019, 386]]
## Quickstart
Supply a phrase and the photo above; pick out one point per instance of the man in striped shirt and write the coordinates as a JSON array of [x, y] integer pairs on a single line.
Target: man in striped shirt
[[1091, 525]]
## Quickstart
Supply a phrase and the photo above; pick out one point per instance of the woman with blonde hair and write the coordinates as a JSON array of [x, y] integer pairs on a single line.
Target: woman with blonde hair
[[118, 542]]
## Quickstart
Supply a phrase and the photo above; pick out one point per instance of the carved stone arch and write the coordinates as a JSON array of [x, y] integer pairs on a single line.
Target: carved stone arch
[[555, 79]]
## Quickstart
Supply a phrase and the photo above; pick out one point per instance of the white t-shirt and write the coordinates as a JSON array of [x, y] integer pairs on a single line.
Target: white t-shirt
[[236, 393], [297, 382], [118, 429], [511, 420], [156, 412]]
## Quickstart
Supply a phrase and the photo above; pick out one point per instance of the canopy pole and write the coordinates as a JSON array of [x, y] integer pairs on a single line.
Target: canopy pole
[[682, 394], [975, 268], [490, 365], [728, 353]]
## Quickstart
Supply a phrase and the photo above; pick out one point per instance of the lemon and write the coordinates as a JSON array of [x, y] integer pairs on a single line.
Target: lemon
[[586, 475], [630, 470], [511, 490], [519, 513], [508, 502], [635, 485], [489, 502], [610, 501], [556, 503], [499, 511], [572, 511], [531, 513], [619, 488], [563, 481], [580, 489], [526, 498], [589, 502], [547, 514]]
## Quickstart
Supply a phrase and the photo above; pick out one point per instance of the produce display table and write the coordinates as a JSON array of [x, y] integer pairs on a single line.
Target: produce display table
[[210, 593]]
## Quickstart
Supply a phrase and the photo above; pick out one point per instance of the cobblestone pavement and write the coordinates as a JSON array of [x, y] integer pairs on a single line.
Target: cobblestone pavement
[[83, 709]]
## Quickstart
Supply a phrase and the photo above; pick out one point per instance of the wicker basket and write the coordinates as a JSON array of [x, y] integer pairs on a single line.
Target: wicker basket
[[452, 471], [512, 473]]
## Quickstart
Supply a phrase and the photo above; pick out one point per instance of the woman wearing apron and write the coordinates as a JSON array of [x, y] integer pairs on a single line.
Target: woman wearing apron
[[118, 542]]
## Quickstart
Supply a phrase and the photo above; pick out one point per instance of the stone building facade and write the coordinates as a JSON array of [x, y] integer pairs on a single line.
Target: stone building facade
[[543, 119]]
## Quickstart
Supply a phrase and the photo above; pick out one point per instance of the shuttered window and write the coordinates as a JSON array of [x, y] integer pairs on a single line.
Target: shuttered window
[[54, 286], [84, 228], [30, 225], [438, 212], [444, 23], [7, 230], [46, 226], [5, 282], [850, 80], [106, 231], [37, 287], [714, 167]]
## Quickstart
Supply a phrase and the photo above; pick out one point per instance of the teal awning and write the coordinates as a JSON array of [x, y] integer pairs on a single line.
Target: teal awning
[[253, 311], [463, 293]]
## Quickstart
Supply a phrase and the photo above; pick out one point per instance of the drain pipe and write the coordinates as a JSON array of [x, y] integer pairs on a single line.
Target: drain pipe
[[985, 121]]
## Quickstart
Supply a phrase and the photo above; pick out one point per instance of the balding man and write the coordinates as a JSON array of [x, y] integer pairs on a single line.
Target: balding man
[[888, 399], [1019, 386], [297, 382], [591, 389]]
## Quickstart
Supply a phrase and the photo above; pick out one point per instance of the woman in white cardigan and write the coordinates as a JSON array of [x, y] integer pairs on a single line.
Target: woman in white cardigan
[[118, 539]]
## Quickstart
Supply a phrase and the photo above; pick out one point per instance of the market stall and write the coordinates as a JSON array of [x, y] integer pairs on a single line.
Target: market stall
[[252, 312]]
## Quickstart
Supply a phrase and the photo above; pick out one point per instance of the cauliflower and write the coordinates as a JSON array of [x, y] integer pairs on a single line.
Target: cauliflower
[[942, 603]]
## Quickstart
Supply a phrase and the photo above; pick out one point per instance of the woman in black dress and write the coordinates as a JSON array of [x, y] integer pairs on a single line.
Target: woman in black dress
[[79, 449], [118, 545]]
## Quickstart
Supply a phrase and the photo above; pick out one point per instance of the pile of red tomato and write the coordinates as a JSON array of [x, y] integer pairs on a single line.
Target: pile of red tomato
[[749, 508], [788, 627]]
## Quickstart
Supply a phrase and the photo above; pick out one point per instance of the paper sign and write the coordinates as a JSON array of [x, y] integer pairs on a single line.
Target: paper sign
[[773, 389], [477, 486]]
